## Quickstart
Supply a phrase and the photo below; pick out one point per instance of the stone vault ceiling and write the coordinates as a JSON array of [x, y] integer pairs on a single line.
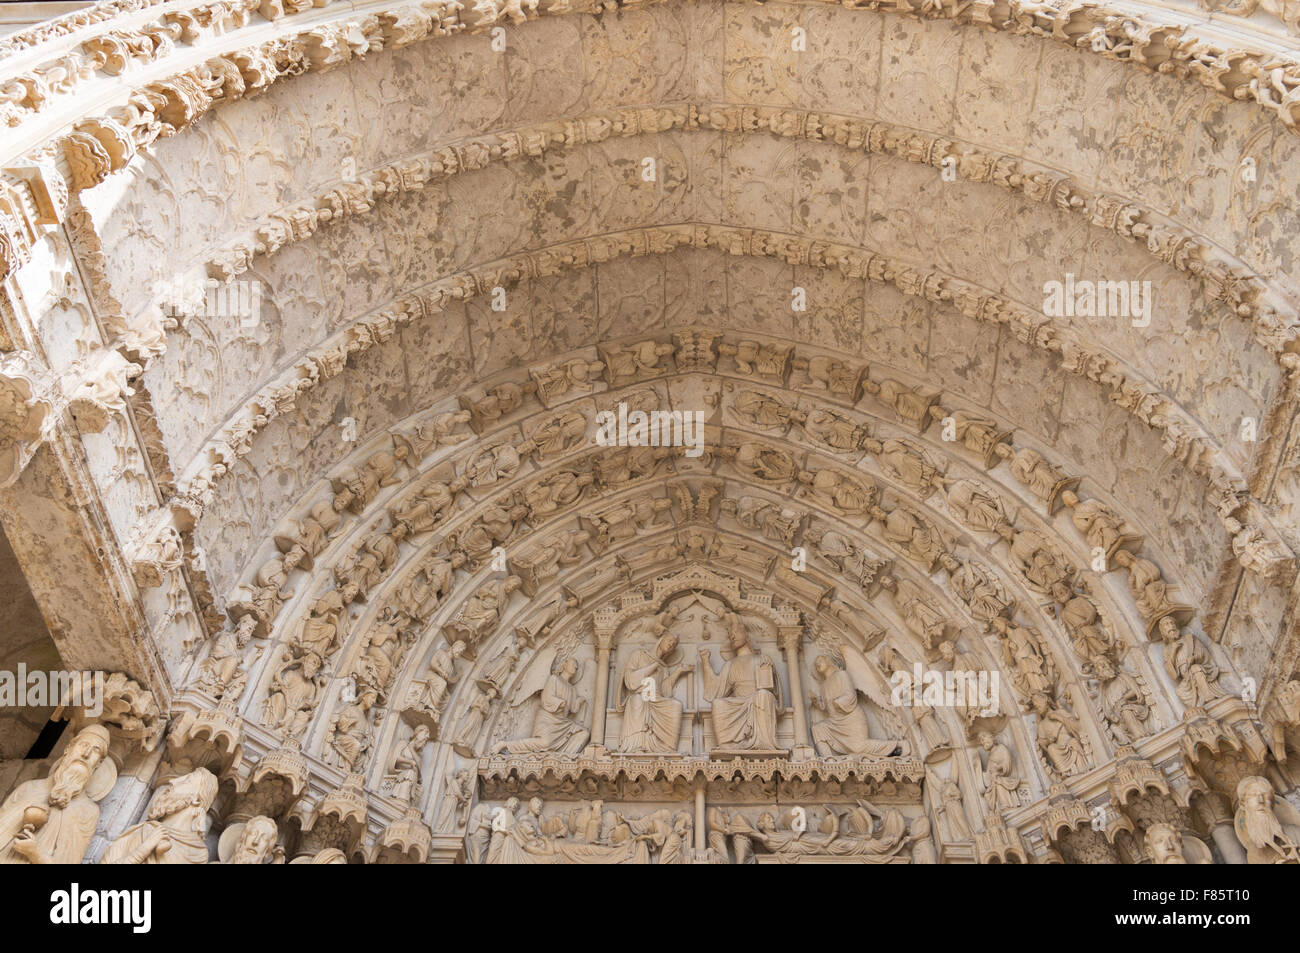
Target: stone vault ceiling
[[829, 230]]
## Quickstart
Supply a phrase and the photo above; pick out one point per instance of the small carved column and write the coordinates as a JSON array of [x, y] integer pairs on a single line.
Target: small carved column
[[790, 637], [701, 842], [604, 640], [1216, 813]]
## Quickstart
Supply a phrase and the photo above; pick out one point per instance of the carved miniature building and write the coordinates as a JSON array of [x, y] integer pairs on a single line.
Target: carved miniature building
[[581, 432]]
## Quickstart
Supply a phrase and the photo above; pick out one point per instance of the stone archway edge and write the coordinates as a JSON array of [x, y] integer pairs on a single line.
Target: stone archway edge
[[1222, 276], [1184, 440], [63, 158]]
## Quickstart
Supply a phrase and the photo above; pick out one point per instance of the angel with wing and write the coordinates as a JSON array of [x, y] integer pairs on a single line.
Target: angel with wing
[[844, 730], [557, 726]]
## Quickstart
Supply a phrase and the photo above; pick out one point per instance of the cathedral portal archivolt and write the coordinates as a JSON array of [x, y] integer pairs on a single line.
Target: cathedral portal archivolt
[[326, 329]]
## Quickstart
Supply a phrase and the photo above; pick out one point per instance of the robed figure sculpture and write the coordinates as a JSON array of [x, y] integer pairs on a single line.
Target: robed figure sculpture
[[745, 695]]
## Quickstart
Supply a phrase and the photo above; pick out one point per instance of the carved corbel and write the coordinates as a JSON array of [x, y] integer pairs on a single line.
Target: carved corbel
[[96, 149], [158, 557], [184, 99], [26, 414], [118, 703], [406, 840], [102, 391], [208, 738], [274, 785], [1072, 828], [274, 9], [338, 820], [1221, 755]]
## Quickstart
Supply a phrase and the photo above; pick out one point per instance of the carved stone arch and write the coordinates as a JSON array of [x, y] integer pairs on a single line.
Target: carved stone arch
[[282, 524], [385, 441], [1033, 327], [358, 630]]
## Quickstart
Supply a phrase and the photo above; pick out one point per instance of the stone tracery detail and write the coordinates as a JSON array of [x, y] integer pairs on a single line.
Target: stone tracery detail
[[472, 630]]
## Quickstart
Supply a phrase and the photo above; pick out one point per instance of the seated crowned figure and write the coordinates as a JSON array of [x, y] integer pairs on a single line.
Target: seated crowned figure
[[744, 695], [652, 718]]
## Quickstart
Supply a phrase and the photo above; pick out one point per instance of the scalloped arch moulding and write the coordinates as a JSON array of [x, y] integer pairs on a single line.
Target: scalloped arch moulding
[[882, 563]]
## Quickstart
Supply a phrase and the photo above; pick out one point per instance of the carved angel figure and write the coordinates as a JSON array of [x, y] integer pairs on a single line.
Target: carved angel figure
[[556, 727], [844, 729]]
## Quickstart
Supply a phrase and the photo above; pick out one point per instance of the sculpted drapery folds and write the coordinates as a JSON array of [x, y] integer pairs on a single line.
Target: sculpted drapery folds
[[51, 820], [998, 775], [652, 718], [744, 694], [176, 825], [844, 730], [365, 545], [556, 727], [1267, 826]]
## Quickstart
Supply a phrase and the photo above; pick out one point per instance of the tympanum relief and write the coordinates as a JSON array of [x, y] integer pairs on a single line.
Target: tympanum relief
[[928, 573]]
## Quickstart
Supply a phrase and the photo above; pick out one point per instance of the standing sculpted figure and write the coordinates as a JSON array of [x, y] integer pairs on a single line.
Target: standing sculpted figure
[[52, 819], [744, 694], [223, 674], [999, 780], [406, 765], [441, 674], [1189, 664], [457, 792], [176, 825], [480, 704], [1058, 738], [1123, 703], [350, 731], [294, 691], [954, 811]]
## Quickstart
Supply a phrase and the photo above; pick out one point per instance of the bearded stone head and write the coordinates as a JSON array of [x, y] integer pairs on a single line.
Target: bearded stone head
[[1257, 824], [1165, 844], [191, 794], [71, 775]]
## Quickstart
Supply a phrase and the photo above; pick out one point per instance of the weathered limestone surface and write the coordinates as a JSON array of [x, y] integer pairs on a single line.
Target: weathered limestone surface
[[323, 326]]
